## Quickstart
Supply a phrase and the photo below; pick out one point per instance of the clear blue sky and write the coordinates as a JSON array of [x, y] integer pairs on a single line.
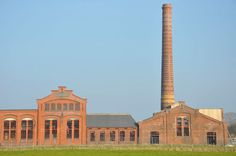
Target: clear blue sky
[[109, 51]]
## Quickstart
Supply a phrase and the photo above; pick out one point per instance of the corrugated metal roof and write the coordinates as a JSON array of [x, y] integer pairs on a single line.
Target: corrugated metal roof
[[110, 120]]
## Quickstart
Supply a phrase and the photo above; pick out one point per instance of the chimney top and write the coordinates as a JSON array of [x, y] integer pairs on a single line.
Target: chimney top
[[167, 5]]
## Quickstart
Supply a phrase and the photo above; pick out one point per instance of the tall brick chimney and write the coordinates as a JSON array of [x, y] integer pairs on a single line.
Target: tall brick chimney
[[167, 84]]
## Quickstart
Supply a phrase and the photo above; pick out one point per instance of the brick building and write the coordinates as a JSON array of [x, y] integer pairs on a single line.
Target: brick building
[[178, 123], [61, 117], [184, 125]]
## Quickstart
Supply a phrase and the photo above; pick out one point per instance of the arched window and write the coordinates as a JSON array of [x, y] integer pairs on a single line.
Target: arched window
[[154, 137], [26, 129], [9, 132]]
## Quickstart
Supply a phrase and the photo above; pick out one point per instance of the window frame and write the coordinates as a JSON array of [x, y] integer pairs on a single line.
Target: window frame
[[122, 136], [9, 130], [92, 136], [132, 136], [211, 138], [112, 136], [183, 127], [102, 136], [46, 107], [27, 129]]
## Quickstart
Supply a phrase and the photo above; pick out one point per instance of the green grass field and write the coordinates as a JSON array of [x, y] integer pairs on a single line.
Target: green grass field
[[105, 152]]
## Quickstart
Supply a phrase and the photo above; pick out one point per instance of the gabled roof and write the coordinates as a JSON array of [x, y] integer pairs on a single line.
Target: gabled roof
[[62, 93], [110, 120]]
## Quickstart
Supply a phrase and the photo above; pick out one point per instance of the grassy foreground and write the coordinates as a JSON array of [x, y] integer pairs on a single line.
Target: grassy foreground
[[106, 152]]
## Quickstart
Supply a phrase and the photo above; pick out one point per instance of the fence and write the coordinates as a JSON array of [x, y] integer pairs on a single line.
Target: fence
[[159, 147]]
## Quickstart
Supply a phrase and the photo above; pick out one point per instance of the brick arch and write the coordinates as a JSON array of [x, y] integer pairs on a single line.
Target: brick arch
[[58, 117], [72, 115], [9, 116], [28, 116]]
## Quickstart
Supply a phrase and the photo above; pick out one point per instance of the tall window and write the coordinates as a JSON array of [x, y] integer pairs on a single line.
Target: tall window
[[112, 136], [76, 129], [58, 107], [69, 129], [50, 129], [9, 133], [26, 129], [53, 107], [211, 138], [47, 129], [23, 129], [102, 136], [54, 129], [71, 106], [186, 126], [182, 126], [179, 126], [132, 135], [46, 107], [154, 137], [92, 136], [65, 107], [30, 129], [122, 135], [77, 107]]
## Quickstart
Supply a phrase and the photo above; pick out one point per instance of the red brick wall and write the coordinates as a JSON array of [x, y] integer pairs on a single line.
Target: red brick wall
[[18, 115], [107, 135], [165, 123], [62, 116]]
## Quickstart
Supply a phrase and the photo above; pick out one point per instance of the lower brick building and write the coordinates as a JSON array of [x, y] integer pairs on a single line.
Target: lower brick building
[[184, 125], [111, 129]]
